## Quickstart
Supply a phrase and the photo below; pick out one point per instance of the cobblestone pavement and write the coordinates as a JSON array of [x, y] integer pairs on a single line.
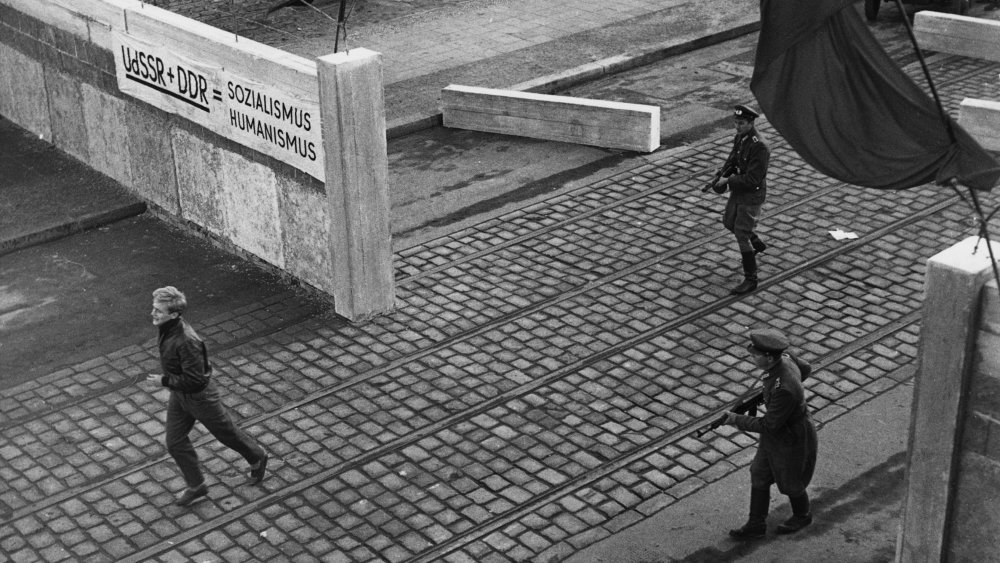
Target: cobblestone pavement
[[536, 389]]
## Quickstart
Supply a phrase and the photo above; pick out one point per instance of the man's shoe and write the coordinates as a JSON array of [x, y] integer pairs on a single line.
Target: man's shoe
[[748, 285], [191, 495], [758, 246], [749, 532], [794, 524], [257, 472]]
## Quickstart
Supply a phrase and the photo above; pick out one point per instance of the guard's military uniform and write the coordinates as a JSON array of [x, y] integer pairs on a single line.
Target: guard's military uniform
[[786, 450], [746, 170], [747, 185]]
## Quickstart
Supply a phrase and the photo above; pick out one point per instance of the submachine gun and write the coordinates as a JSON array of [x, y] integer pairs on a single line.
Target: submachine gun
[[726, 170], [747, 404]]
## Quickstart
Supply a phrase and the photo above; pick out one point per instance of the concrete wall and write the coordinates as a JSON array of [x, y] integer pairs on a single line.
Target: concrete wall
[[58, 80], [950, 511], [975, 518]]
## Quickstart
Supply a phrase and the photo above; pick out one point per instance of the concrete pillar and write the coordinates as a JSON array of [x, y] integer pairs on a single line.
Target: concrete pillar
[[357, 169], [954, 280]]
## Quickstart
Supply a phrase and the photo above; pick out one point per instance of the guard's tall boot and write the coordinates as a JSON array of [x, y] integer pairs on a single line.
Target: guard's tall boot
[[756, 526], [749, 274], [801, 517]]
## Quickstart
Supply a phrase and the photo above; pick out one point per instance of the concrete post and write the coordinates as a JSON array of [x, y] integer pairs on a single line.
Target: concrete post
[[954, 280], [357, 169]]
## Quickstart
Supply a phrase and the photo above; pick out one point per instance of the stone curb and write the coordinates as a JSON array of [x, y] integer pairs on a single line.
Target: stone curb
[[85, 222]]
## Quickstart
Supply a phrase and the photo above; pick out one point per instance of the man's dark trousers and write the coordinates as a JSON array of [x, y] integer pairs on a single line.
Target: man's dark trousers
[[183, 410]]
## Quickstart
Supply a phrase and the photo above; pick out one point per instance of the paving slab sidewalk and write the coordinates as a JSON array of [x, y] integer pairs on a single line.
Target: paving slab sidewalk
[[518, 44], [856, 496]]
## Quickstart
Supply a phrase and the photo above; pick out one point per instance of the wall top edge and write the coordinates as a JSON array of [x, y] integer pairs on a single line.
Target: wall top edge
[[925, 16], [151, 16], [978, 103], [93, 20], [970, 256]]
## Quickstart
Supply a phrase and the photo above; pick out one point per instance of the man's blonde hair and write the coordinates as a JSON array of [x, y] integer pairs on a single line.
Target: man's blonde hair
[[172, 298]]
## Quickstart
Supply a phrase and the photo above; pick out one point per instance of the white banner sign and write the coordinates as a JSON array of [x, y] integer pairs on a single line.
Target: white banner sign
[[260, 116]]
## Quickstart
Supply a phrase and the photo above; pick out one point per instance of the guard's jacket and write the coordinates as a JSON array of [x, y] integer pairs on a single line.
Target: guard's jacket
[[786, 452], [747, 169], [183, 357]]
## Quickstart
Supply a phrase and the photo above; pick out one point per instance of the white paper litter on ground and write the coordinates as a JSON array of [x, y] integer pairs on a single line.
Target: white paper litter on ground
[[841, 235]]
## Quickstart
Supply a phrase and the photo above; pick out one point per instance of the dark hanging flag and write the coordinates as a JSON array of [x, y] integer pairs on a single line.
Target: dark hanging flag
[[833, 93]]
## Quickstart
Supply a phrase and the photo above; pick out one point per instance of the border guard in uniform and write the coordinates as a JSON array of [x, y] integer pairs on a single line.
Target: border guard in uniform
[[787, 445], [744, 175]]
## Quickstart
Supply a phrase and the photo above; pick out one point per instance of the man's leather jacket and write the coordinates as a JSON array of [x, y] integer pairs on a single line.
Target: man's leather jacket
[[184, 357]]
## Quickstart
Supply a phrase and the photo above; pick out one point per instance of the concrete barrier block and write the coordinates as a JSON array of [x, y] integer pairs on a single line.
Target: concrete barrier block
[[230, 196], [22, 92], [107, 134], [981, 118], [568, 119], [305, 229], [154, 175], [69, 128], [958, 35]]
